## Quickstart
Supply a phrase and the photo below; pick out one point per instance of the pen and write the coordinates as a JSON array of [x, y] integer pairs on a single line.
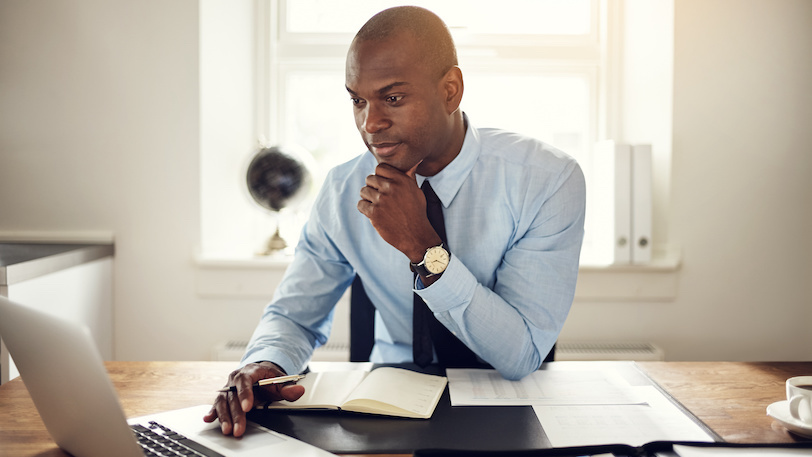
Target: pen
[[264, 382]]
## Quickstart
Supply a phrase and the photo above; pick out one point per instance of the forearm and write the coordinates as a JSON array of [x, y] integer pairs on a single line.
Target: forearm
[[299, 317], [280, 342], [513, 336]]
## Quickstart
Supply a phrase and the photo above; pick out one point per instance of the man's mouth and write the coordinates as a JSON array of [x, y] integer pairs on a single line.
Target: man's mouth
[[383, 149]]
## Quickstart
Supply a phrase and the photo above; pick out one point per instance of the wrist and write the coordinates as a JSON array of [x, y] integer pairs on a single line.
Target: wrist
[[272, 366], [434, 262], [418, 252]]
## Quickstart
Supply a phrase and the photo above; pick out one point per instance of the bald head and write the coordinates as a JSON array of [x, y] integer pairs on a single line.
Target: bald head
[[435, 44]]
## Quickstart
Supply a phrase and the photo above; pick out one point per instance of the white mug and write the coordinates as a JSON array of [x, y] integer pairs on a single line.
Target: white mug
[[799, 395]]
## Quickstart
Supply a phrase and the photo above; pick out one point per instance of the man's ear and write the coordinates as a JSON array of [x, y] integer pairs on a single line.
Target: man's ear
[[453, 88]]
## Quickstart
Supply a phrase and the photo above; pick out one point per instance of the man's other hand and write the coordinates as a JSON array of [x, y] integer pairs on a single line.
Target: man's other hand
[[230, 407], [397, 209]]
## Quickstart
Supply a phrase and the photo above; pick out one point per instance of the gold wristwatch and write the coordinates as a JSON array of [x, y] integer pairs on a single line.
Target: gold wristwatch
[[434, 262]]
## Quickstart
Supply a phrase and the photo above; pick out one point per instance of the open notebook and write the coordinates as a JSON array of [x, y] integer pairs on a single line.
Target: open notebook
[[66, 378], [385, 391]]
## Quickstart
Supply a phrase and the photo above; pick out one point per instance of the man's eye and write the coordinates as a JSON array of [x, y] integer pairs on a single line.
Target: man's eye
[[394, 98], [356, 101]]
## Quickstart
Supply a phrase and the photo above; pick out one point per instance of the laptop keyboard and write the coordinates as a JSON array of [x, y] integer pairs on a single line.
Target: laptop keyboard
[[159, 441]]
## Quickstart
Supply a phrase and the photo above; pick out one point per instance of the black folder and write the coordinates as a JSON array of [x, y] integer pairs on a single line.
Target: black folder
[[484, 428], [470, 427], [653, 449]]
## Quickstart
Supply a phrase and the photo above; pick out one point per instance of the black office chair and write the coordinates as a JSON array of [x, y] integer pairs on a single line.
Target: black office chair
[[362, 325]]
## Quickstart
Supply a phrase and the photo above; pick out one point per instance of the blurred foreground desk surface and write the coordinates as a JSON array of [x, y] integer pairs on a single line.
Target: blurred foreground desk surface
[[730, 397]]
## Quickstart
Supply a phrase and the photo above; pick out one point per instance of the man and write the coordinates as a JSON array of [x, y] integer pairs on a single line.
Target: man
[[499, 276]]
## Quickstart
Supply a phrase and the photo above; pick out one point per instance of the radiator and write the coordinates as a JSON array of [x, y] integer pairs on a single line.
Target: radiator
[[232, 350], [607, 351], [229, 351]]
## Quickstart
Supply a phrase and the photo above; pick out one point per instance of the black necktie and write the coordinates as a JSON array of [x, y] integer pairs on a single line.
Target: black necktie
[[451, 352]]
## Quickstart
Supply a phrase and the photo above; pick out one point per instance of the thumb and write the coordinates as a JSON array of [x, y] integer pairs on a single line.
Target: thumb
[[413, 171], [291, 392]]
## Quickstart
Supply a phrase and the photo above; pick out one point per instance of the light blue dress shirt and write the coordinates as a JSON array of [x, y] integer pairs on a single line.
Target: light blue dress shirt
[[514, 215]]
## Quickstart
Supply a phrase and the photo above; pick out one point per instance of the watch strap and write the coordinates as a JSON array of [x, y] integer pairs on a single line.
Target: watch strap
[[420, 268]]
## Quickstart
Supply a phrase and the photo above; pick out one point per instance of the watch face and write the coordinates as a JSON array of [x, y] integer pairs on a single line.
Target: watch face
[[436, 260]]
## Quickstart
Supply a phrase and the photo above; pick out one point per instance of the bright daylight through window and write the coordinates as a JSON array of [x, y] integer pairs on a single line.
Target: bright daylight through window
[[544, 68]]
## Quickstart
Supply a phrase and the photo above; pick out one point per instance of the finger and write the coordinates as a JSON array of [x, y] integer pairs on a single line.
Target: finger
[[221, 411], [373, 181], [413, 171], [291, 392], [237, 415], [246, 398], [365, 207], [369, 194], [379, 184], [245, 391], [211, 415], [387, 171]]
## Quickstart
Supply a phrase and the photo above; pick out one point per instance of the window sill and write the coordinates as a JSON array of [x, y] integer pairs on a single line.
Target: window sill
[[655, 281], [254, 277]]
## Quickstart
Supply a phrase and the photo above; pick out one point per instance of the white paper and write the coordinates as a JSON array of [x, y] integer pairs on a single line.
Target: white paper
[[691, 451], [472, 387], [635, 425]]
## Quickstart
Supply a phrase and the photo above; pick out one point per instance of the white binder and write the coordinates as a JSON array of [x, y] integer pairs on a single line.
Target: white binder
[[612, 203], [641, 204]]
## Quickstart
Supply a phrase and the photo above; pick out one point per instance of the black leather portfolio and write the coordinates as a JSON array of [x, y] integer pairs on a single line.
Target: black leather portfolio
[[484, 428], [469, 427], [654, 449]]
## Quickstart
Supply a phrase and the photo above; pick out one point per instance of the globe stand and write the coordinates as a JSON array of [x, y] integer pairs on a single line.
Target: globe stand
[[274, 244]]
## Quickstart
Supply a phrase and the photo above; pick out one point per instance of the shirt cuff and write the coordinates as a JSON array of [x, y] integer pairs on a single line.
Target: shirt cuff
[[270, 355]]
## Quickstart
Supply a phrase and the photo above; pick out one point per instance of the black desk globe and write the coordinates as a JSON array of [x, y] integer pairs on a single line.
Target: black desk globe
[[277, 178]]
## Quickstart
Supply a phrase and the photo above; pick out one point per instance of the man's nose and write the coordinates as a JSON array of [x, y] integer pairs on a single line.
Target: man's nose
[[375, 119]]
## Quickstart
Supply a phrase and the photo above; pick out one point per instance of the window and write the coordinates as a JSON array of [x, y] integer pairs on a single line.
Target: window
[[549, 69], [531, 66]]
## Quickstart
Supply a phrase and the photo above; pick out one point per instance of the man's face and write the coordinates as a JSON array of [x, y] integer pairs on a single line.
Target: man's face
[[399, 104]]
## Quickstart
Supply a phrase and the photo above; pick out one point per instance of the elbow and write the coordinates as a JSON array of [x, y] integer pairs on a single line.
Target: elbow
[[513, 376], [521, 367], [518, 371]]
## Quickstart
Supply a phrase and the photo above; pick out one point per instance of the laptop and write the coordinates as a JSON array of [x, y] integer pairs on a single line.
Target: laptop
[[67, 380]]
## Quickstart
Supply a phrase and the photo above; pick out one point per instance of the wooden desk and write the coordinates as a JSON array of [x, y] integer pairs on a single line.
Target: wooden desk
[[730, 397]]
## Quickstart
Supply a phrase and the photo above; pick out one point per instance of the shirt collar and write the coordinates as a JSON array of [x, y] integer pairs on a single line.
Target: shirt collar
[[449, 180]]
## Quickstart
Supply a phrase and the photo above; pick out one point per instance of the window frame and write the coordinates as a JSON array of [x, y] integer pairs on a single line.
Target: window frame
[[594, 56]]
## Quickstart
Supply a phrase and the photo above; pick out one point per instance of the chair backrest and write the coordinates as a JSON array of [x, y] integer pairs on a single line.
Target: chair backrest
[[362, 325], [550, 355]]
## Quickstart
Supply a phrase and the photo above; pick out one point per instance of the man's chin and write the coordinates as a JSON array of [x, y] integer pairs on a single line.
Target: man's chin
[[394, 162]]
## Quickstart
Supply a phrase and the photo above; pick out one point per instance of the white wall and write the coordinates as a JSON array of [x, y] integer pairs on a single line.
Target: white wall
[[100, 127], [99, 131], [741, 196]]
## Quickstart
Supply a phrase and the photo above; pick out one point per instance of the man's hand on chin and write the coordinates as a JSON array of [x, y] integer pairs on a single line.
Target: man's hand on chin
[[396, 207]]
